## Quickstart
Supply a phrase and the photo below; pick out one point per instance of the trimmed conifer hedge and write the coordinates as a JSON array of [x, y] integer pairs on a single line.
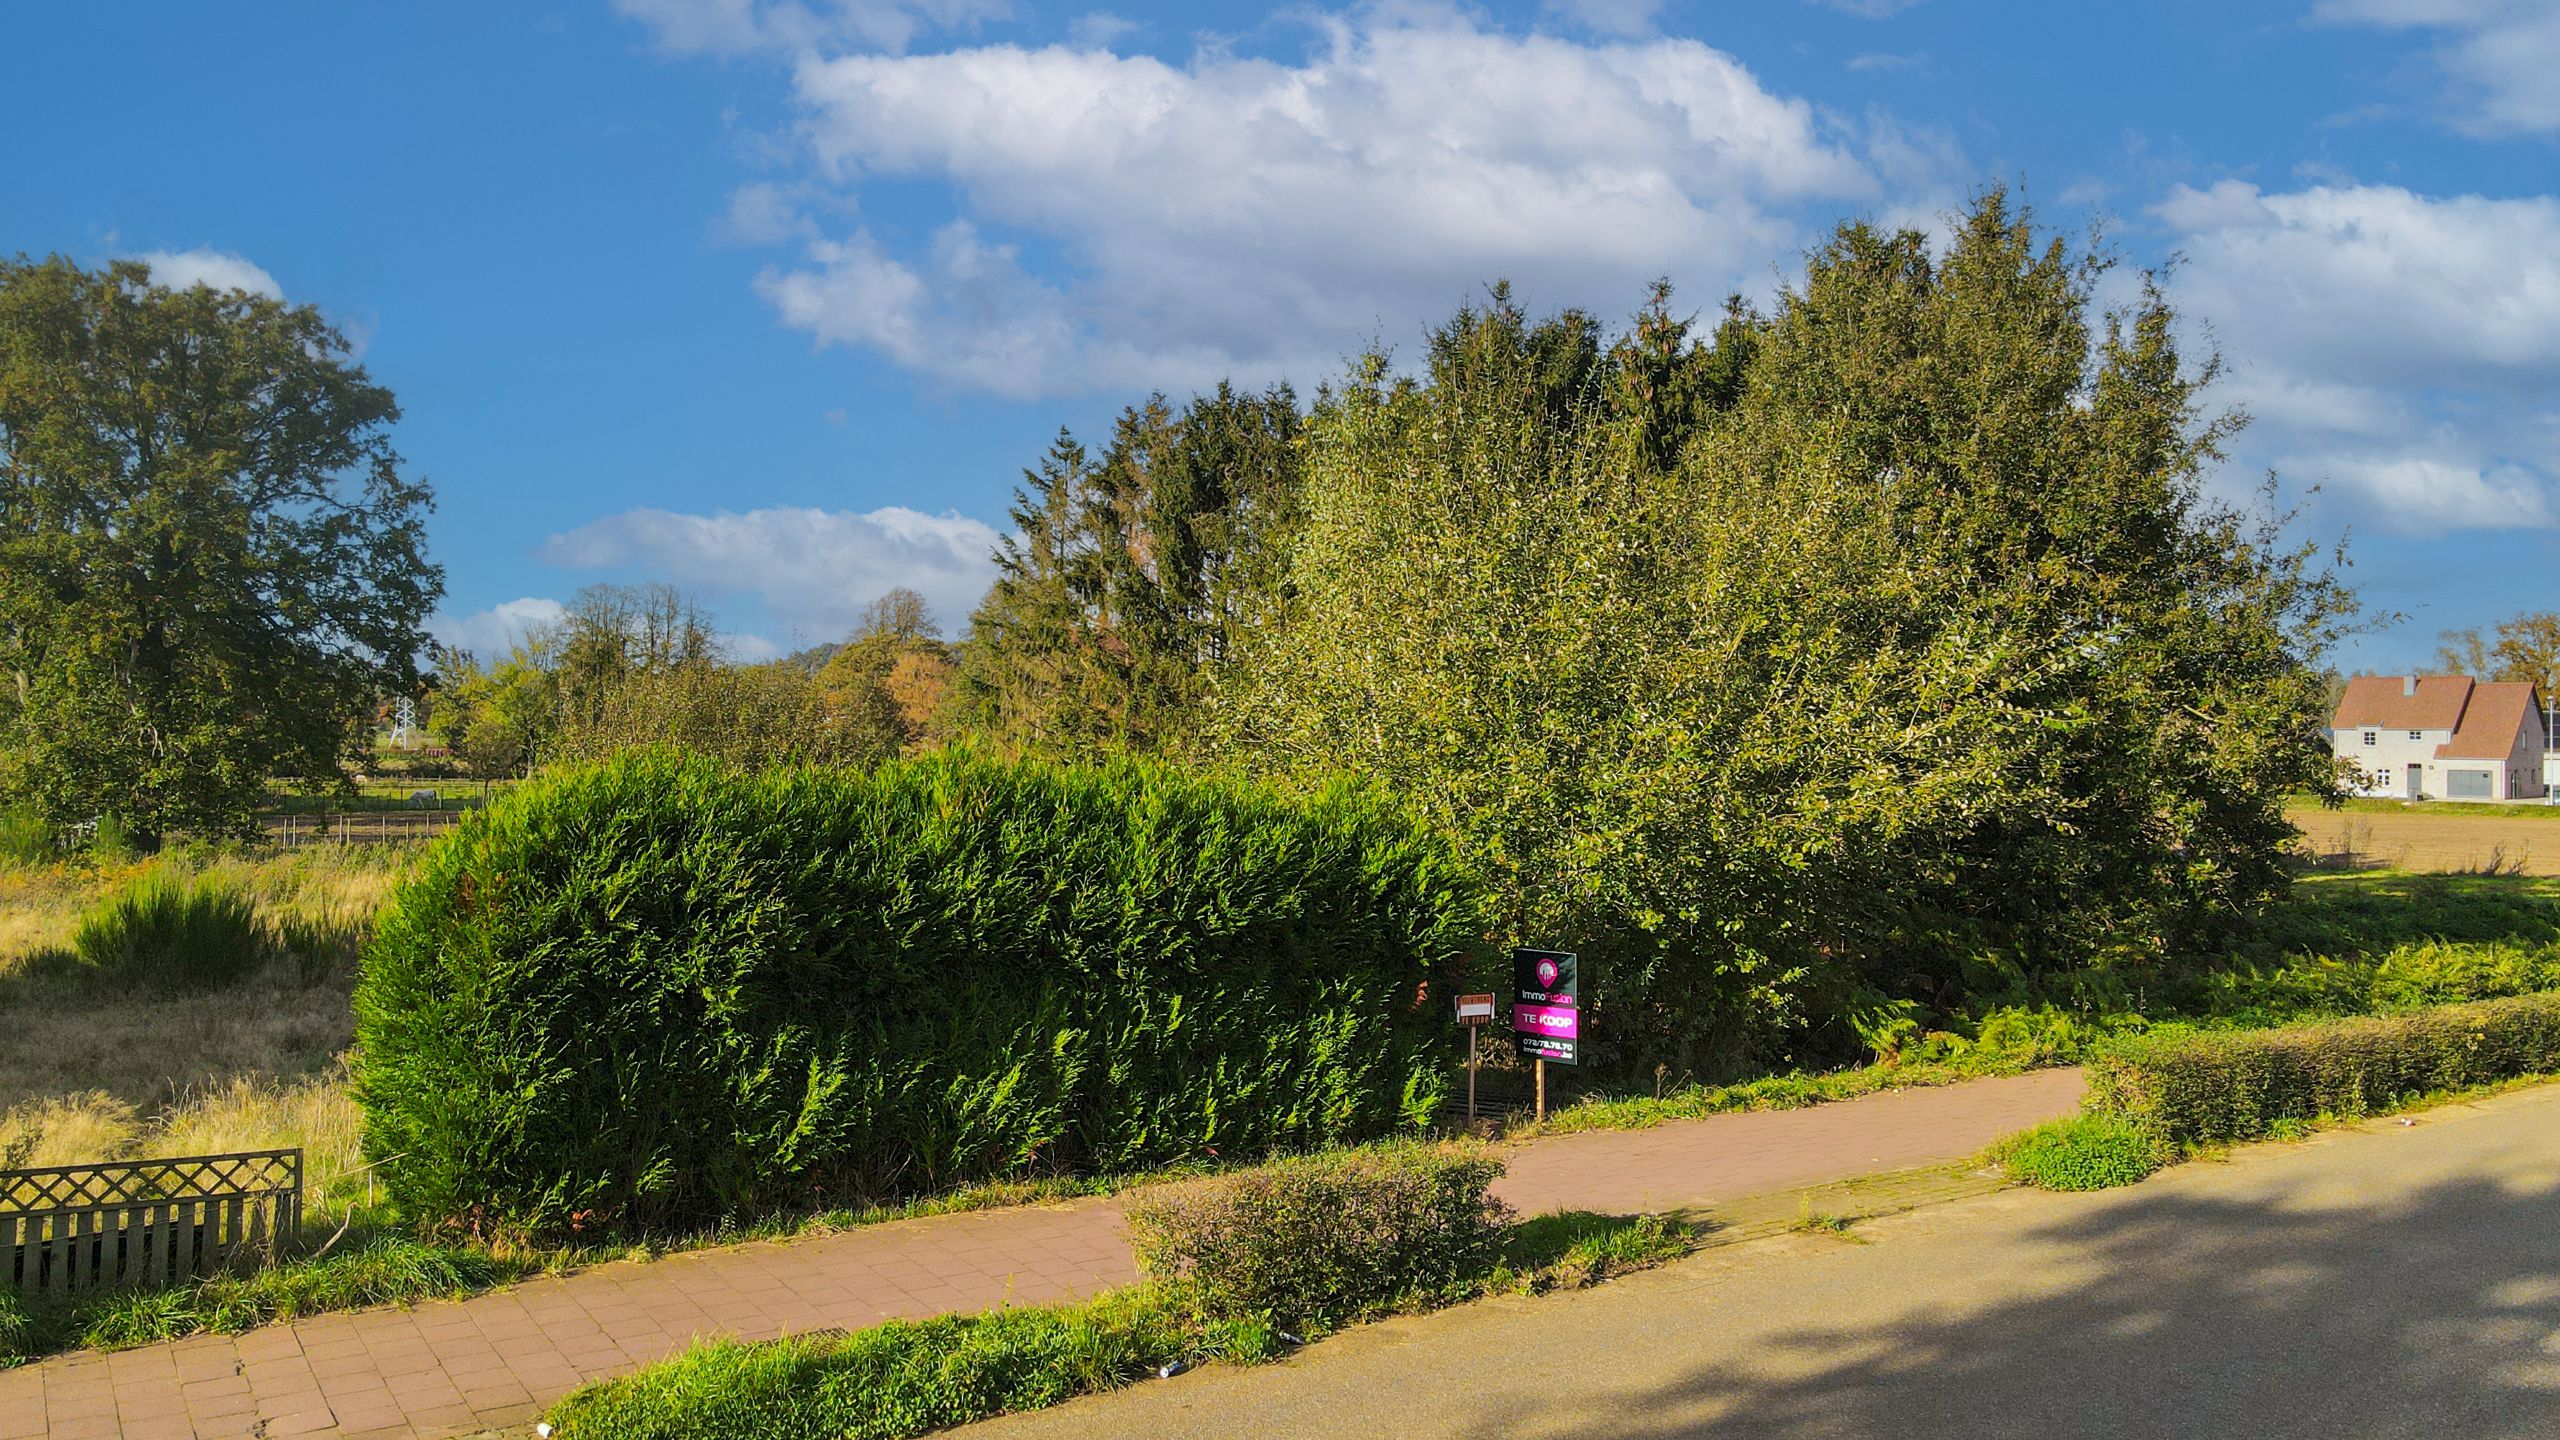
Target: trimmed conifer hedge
[[2236, 1084], [659, 992]]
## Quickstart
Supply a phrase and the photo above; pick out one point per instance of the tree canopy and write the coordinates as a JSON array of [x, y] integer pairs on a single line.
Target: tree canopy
[[1812, 670], [211, 563]]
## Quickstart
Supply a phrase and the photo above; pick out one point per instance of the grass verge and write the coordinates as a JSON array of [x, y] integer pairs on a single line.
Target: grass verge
[[906, 1378], [384, 1270]]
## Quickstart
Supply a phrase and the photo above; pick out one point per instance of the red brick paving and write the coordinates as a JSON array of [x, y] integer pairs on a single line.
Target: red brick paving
[[496, 1360]]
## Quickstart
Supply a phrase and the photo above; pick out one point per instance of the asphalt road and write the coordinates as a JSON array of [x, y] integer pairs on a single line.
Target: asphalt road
[[2392, 1280]]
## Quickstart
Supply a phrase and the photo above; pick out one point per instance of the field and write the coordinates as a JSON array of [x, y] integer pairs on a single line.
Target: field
[[2433, 836], [103, 1067]]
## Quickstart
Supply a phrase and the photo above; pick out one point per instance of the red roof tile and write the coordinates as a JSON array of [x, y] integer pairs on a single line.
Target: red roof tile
[[2498, 710], [2375, 702]]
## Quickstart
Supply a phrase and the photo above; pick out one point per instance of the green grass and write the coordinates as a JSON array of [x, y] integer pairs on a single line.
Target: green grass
[[173, 930], [906, 1378], [2085, 1152], [383, 1270], [2377, 805]]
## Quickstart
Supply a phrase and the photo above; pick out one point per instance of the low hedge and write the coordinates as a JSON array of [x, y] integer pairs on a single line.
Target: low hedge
[[2236, 1084], [1319, 1241], [658, 992]]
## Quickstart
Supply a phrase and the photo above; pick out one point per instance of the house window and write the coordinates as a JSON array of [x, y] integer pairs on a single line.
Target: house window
[[2369, 737], [2417, 734]]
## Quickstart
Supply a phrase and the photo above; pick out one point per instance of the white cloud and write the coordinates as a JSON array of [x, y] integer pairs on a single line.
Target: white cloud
[[490, 633], [2499, 57], [220, 269], [813, 570], [1127, 222], [1879, 60], [2403, 348], [1099, 30], [736, 27]]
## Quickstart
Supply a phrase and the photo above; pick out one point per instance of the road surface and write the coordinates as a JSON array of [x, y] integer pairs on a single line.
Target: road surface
[[2392, 1280]]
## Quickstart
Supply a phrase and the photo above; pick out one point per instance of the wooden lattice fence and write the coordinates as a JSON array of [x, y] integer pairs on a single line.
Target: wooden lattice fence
[[144, 1222]]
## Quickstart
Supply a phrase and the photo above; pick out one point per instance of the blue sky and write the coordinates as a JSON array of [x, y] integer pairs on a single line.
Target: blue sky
[[776, 300]]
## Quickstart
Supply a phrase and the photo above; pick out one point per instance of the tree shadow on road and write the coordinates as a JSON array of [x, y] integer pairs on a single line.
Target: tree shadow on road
[[2181, 1315]]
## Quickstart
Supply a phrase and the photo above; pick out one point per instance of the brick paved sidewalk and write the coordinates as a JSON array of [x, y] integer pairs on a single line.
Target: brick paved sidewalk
[[499, 1359]]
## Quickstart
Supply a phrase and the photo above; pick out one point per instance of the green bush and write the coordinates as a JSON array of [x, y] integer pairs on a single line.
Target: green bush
[[895, 1380], [173, 930], [1321, 1240], [2086, 1152], [26, 837], [2236, 1084], [659, 992]]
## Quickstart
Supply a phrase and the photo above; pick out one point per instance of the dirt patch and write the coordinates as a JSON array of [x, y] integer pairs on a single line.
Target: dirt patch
[[2435, 838]]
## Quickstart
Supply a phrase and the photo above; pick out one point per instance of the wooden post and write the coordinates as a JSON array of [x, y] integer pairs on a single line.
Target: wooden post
[[1542, 1089], [1471, 1075]]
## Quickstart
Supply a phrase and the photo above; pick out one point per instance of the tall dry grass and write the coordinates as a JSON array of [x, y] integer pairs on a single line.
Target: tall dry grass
[[97, 1066]]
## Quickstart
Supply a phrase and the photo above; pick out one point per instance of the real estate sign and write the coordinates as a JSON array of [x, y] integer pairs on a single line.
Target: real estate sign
[[1546, 1011]]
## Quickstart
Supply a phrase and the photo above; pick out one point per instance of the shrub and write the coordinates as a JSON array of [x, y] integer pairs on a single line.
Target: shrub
[[173, 930], [1320, 1240], [2086, 1152], [26, 837], [658, 991], [2233, 1085], [891, 1381]]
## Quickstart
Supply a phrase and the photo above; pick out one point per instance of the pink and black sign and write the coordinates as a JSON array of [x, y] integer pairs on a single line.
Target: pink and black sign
[[1546, 1013]]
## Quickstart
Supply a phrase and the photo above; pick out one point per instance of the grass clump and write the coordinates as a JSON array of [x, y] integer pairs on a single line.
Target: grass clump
[[173, 931], [2085, 1152]]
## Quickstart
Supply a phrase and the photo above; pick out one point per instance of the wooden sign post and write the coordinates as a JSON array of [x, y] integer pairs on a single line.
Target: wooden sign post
[[1546, 1014], [1474, 1012]]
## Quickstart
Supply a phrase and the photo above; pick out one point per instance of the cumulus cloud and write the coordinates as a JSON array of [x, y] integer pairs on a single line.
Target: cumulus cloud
[[1126, 222], [812, 570], [2497, 57], [2401, 347], [220, 269], [493, 632]]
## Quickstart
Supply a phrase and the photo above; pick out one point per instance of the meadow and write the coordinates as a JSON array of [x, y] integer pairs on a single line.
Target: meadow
[[110, 1059]]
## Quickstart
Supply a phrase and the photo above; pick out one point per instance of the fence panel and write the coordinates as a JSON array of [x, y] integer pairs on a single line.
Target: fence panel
[[143, 1222]]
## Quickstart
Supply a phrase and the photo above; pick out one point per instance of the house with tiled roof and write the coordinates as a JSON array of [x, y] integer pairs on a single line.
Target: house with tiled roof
[[2442, 737]]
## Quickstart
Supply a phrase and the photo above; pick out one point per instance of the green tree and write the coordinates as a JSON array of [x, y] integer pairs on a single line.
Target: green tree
[[2523, 647], [1794, 676], [211, 562], [1132, 574]]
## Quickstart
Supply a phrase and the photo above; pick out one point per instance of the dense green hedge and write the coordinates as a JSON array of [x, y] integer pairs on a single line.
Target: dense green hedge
[[1318, 1241], [659, 992], [2233, 1085]]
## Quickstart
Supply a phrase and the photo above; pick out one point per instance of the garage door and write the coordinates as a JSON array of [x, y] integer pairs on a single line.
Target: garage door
[[2469, 784]]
